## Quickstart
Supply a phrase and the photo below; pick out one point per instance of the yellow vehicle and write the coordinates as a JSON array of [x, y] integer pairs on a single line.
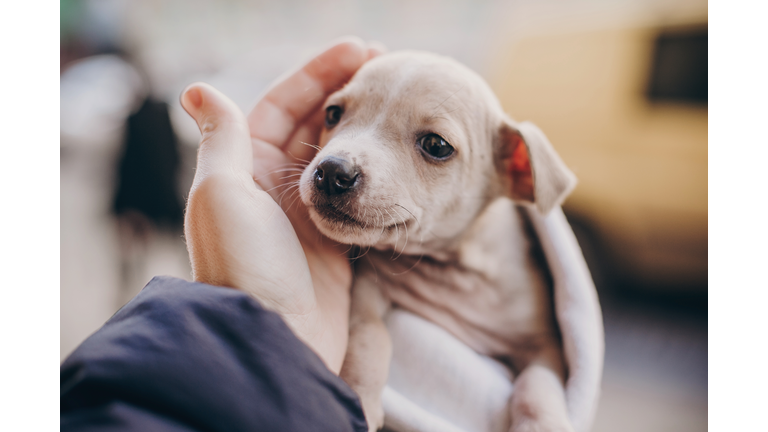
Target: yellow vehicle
[[626, 108]]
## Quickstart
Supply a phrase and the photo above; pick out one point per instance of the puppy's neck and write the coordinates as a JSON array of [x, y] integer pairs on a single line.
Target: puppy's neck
[[495, 246]]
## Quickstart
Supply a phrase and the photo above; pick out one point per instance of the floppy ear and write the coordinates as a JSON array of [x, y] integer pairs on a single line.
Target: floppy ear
[[535, 172]]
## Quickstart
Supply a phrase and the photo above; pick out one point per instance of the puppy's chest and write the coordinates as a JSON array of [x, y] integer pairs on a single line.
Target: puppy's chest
[[494, 295]]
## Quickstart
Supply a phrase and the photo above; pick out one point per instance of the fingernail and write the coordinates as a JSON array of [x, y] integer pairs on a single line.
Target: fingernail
[[194, 97]]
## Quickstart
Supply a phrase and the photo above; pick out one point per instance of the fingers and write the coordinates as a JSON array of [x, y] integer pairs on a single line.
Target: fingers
[[278, 114], [225, 146], [303, 142], [374, 49]]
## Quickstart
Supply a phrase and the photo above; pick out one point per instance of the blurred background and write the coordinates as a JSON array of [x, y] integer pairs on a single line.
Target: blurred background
[[619, 87]]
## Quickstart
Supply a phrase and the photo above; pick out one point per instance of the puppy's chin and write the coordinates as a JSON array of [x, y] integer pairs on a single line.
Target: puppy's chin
[[345, 229]]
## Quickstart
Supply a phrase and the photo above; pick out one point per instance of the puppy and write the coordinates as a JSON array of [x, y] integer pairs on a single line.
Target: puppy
[[421, 168]]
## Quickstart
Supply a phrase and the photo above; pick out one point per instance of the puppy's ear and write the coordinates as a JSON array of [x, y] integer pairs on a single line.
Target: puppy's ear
[[534, 171]]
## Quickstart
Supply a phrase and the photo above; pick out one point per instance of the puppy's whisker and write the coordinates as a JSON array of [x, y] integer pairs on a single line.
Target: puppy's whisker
[[296, 157], [291, 183], [440, 116], [280, 197], [375, 270], [289, 188], [383, 227], [409, 212], [289, 176], [368, 249], [397, 233], [411, 267], [446, 100], [277, 170], [293, 164], [405, 225], [289, 164], [287, 170], [296, 196], [316, 147], [418, 222]]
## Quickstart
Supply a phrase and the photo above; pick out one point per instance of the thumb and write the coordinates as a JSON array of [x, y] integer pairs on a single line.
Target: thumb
[[225, 146]]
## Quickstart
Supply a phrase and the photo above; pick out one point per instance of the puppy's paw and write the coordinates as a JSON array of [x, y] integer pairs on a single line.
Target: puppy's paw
[[541, 425], [374, 415]]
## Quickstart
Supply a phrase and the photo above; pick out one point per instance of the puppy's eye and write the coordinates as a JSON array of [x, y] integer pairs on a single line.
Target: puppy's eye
[[332, 115], [435, 146]]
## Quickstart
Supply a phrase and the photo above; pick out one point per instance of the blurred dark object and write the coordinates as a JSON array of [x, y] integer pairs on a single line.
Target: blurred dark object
[[623, 279], [71, 46], [679, 67], [147, 178], [89, 28]]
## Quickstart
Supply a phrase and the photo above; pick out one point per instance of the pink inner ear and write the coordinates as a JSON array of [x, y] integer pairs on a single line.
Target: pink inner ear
[[519, 167]]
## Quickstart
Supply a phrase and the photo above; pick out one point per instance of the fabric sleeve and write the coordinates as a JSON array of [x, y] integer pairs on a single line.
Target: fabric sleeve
[[187, 356]]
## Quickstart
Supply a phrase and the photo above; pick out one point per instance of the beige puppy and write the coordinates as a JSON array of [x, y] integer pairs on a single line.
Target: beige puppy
[[418, 165]]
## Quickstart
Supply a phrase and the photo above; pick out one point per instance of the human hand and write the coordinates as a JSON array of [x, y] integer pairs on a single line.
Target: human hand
[[243, 226]]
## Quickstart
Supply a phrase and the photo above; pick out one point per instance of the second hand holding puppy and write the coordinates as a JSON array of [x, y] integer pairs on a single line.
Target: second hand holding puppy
[[237, 233]]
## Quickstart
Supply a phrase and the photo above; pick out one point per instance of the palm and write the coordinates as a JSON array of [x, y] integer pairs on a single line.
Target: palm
[[282, 124], [277, 171], [264, 243]]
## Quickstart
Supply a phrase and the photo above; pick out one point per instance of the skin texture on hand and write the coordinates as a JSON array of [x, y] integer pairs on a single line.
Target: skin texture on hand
[[243, 227]]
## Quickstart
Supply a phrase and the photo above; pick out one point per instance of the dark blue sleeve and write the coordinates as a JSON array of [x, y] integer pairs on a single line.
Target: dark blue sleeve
[[187, 356]]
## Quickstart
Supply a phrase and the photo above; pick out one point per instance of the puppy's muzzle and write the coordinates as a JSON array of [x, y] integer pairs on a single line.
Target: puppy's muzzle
[[335, 176]]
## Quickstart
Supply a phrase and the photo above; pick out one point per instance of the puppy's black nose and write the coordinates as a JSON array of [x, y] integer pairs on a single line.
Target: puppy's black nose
[[335, 176]]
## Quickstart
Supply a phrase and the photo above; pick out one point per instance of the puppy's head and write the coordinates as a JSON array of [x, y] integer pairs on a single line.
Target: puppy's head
[[413, 148]]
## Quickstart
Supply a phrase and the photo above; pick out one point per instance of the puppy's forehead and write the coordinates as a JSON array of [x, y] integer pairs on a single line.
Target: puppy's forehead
[[413, 81]]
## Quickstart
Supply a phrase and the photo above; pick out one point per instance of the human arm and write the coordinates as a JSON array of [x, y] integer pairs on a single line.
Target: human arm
[[167, 361], [184, 356], [247, 234]]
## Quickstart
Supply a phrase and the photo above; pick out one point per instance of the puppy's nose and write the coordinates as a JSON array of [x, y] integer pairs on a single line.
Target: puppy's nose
[[335, 176]]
